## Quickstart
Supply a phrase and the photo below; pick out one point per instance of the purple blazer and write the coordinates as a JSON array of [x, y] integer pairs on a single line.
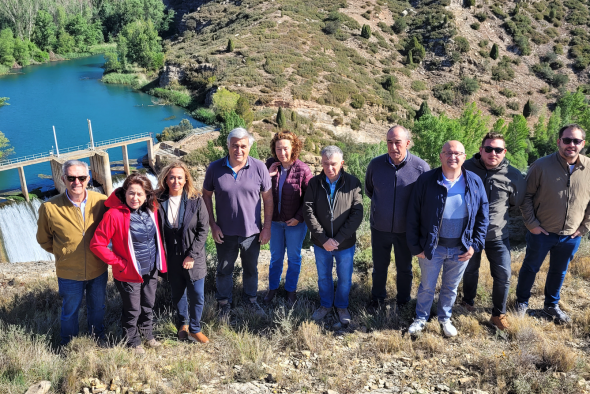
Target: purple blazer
[[293, 191]]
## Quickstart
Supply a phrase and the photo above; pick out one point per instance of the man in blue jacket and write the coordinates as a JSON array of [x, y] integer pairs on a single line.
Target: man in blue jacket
[[447, 223]]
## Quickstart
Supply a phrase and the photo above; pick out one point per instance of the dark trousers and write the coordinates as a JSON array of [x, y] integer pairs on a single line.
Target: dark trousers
[[188, 297], [561, 249], [138, 303], [381, 243], [498, 254], [227, 253]]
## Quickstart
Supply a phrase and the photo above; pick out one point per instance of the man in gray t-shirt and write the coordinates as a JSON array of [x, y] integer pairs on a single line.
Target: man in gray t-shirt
[[238, 181]]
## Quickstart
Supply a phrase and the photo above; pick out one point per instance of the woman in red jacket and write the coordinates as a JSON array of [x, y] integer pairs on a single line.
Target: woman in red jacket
[[131, 224]]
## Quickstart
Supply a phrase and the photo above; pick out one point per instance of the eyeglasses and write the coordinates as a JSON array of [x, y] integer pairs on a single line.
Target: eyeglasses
[[450, 154], [568, 141], [489, 149], [81, 178]]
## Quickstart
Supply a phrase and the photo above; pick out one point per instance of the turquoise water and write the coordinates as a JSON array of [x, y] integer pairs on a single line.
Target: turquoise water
[[64, 95]]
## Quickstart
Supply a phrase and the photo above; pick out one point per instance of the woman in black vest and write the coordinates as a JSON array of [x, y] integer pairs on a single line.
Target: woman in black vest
[[184, 223]]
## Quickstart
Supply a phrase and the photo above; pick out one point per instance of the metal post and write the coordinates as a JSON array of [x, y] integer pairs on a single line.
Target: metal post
[[91, 137], [55, 138]]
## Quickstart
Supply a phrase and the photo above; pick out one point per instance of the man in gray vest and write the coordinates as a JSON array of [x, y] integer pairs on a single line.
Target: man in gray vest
[[505, 188], [389, 183]]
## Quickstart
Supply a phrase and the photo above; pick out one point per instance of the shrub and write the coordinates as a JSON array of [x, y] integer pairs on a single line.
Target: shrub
[[507, 93], [418, 86], [497, 109], [495, 52], [468, 86], [462, 44], [558, 49], [230, 45], [357, 102], [445, 92], [205, 115], [503, 71], [180, 98], [417, 50], [423, 110], [390, 83], [560, 80], [400, 25], [175, 133], [366, 32], [522, 42], [225, 101], [481, 16], [281, 118], [475, 26], [513, 105], [469, 3]]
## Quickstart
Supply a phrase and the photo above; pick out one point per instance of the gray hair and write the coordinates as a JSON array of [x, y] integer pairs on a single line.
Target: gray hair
[[74, 163], [408, 133], [239, 133], [331, 150]]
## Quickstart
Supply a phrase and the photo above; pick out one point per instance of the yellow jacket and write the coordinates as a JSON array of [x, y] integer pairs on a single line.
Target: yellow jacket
[[63, 231]]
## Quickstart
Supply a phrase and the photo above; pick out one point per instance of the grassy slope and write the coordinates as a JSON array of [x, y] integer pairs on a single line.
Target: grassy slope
[[535, 355]]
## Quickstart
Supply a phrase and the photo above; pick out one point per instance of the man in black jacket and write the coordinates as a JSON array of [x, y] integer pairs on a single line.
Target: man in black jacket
[[333, 211], [389, 183], [505, 188]]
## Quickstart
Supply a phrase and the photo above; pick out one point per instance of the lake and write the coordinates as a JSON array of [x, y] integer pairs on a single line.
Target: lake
[[65, 94]]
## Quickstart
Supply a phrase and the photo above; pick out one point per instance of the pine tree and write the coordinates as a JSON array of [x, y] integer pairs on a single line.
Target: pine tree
[[410, 58], [281, 119], [366, 32], [424, 110], [528, 109], [230, 45], [293, 116], [495, 52]]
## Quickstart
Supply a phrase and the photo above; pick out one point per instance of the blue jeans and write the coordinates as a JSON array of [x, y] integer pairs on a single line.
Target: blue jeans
[[72, 292], [498, 254], [452, 272], [285, 237], [324, 262], [561, 249], [189, 298]]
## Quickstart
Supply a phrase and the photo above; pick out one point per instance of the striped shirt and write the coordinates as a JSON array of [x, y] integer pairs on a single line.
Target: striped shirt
[[455, 214]]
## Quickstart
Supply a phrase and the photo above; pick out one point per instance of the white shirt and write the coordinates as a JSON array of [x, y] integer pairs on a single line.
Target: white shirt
[[82, 205], [174, 210]]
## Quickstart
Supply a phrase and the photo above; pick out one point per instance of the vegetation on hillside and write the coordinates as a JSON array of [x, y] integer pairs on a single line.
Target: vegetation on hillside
[[5, 148]]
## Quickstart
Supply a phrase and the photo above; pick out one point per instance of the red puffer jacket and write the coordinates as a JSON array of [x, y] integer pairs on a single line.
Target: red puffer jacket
[[114, 228]]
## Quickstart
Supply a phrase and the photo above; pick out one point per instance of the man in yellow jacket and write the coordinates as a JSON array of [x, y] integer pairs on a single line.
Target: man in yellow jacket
[[65, 228]]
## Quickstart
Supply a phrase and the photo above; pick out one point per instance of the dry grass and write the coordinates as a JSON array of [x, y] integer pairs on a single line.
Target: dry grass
[[302, 356]]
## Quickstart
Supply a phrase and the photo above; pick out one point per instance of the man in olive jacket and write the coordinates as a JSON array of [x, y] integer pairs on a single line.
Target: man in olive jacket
[[556, 211], [333, 211], [66, 226], [505, 188]]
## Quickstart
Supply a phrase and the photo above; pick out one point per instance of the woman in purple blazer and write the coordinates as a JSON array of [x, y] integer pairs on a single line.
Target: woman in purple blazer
[[290, 177]]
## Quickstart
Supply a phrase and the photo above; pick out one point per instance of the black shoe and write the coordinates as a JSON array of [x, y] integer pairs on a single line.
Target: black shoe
[[269, 296], [375, 305], [558, 316], [224, 310], [255, 307]]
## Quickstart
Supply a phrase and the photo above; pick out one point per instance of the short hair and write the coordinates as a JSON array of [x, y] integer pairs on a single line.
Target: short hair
[[492, 135], [296, 143], [330, 151], [408, 133], [139, 179], [74, 163], [189, 186], [572, 126], [239, 133]]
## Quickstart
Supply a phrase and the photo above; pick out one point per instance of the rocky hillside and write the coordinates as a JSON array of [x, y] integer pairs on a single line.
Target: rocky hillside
[[356, 66]]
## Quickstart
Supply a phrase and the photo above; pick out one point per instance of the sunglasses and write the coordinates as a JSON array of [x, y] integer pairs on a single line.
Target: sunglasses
[[568, 141], [489, 149], [81, 178]]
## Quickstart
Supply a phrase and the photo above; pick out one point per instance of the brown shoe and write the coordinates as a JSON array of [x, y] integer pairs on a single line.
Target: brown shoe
[[182, 334], [198, 337], [269, 296], [500, 322], [469, 307], [291, 297], [152, 343], [138, 350]]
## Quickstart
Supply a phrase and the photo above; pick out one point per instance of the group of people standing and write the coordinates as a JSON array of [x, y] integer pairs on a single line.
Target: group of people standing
[[446, 217]]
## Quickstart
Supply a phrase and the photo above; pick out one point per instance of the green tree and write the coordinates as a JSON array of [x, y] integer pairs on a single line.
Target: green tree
[[243, 109], [3, 101], [5, 148], [366, 31], [281, 119], [112, 63], [423, 111], [230, 45], [473, 128], [517, 141], [231, 120], [44, 34], [495, 52], [293, 116], [139, 43], [21, 52], [7, 47], [528, 109], [115, 15], [225, 101], [390, 83], [417, 49], [65, 43], [400, 25]]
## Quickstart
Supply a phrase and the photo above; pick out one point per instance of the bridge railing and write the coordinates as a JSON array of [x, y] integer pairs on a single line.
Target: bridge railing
[[122, 139], [7, 162]]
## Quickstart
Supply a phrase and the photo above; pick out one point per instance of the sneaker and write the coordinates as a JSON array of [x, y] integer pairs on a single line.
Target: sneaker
[[417, 326], [557, 314], [449, 329], [500, 322], [520, 308], [224, 310], [182, 334], [138, 350], [320, 313], [198, 337], [343, 316], [255, 307], [152, 343], [468, 306]]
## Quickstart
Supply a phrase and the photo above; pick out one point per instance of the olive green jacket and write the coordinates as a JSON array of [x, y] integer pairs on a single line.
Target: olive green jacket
[[64, 232], [555, 199]]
